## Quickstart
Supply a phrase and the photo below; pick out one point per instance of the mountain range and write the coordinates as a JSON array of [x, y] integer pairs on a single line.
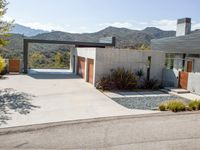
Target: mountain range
[[26, 31], [125, 38]]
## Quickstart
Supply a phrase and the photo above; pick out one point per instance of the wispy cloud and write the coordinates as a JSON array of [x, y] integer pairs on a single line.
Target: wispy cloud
[[164, 24], [196, 26], [45, 26], [117, 24]]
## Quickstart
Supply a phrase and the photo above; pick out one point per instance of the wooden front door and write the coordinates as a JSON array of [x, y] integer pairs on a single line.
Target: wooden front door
[[14, 65], [81, 67], [183, 80], [90, 73], [189, 66]]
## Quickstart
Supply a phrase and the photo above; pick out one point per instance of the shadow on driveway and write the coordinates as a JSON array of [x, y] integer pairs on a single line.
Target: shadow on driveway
[[54, 76], [11, 100]]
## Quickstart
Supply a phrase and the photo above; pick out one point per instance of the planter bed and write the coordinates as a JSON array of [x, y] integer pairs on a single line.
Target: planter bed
[[146, 102]]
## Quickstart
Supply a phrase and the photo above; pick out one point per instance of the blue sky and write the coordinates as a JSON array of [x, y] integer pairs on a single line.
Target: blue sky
[[80, 16]]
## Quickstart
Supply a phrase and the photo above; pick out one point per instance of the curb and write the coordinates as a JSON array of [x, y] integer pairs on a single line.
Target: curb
[[36, 127]]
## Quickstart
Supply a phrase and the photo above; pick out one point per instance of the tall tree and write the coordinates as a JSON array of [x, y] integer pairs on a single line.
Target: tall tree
[[4, 25]]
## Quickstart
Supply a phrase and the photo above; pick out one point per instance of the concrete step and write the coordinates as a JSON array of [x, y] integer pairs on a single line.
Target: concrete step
[[177, 90]]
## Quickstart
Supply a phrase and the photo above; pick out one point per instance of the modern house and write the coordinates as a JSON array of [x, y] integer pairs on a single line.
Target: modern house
[[93, 60], [182, 57], [92, 63]]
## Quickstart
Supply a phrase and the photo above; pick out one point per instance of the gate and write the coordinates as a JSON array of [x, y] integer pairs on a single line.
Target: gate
[[14, 65], [183, 80]]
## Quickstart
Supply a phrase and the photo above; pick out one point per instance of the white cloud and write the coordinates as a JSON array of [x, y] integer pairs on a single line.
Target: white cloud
[[196, 26], [45, 26], [164, 24], [137, 25], [117, 24]]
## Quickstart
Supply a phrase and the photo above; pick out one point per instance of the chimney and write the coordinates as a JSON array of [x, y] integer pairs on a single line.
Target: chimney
[[183, 27]]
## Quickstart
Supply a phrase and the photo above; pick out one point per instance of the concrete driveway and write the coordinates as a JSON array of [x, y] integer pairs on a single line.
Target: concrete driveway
[[45, 98]]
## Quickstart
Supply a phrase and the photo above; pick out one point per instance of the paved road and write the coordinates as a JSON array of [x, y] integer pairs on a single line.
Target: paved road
[[147, 132]]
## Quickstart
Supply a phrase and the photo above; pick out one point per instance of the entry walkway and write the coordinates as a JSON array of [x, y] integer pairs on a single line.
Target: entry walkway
[[42, 98], [181, 93]]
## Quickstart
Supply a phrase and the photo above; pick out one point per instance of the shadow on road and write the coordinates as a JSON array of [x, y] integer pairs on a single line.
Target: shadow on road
[[11, 100]]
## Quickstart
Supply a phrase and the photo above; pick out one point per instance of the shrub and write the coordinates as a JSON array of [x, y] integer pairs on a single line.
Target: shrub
[[140, 73], [176, 105], [123, 79], [162, 107], [151, 84], [105, 83], [2, 64], [118, 79], [194, 105]]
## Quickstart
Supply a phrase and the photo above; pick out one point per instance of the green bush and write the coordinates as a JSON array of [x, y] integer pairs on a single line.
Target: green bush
[[118, 79], [151, 84], [2, 64], [176, 105], [194, 105], [162, 107]]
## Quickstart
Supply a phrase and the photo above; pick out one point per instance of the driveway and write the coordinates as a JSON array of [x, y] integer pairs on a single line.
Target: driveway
[[36, 99]]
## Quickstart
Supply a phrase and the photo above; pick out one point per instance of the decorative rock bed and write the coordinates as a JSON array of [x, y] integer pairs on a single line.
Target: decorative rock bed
[[146, 103]]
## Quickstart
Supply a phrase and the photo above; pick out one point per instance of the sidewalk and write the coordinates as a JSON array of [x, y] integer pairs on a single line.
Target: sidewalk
[[181, 93]]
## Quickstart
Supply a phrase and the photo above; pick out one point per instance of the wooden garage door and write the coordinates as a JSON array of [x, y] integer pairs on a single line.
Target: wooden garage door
[[189, 66], [81, 66], [90, 72], [14, 65], [183, 80]]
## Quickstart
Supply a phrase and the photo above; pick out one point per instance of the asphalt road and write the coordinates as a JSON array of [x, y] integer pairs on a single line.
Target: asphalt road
[[166, 131]]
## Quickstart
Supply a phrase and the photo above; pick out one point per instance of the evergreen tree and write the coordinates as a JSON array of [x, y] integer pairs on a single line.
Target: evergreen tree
[[4, 25]]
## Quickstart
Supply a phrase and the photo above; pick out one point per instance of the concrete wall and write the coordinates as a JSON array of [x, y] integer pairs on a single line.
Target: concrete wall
[[107, 59], [194, 82], [86, 53], [170, 77], [196, 66]]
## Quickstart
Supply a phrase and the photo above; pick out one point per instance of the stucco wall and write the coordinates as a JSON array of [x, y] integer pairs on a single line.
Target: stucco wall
[[107, 59], [194, 82], [86, 53]]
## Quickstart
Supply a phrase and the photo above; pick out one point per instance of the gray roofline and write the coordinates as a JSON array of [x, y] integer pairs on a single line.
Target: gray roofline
[[75, 43], [189, 44]]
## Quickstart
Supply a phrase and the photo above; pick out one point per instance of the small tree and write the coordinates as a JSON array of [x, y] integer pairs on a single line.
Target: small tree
[[4, 25]]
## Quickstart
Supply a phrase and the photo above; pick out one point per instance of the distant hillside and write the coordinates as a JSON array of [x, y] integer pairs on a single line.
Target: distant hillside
[[125, 38], [27, 31]]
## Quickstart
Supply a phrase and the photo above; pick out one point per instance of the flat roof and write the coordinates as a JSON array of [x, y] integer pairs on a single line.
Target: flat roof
[[76, 43], [189, 44]]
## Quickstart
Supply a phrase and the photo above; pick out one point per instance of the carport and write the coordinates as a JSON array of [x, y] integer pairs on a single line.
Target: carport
[[26, 43]]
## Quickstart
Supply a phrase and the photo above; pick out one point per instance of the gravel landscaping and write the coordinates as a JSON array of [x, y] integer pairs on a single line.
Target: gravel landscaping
[[145, 103]]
